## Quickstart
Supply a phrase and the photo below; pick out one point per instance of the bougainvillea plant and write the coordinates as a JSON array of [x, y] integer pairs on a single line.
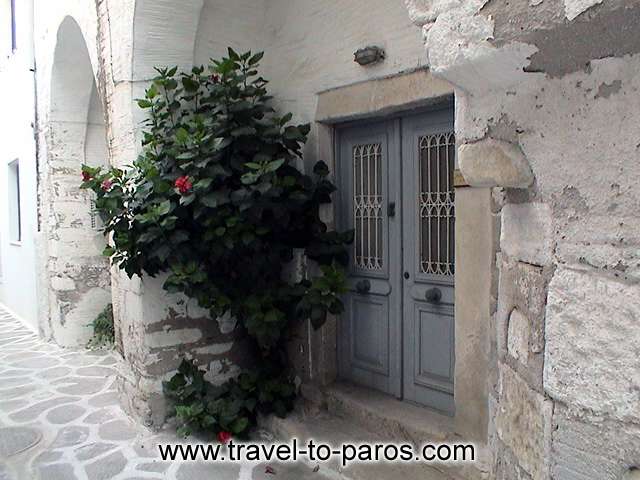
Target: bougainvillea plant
[[217, 202]]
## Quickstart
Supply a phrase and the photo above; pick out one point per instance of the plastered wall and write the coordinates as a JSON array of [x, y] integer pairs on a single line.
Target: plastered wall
[[18, 280]]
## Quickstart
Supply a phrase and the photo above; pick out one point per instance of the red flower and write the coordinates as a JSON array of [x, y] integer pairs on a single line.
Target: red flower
[[86, 176], [106, 185], [183, 184], [215, 78], [224, 437]]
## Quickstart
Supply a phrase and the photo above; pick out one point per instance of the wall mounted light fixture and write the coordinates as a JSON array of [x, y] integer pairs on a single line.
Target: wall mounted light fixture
[[369, 55]]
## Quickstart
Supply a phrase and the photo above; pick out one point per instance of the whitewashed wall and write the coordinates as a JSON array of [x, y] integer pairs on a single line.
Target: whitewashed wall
[[17, 90], [309, 44]]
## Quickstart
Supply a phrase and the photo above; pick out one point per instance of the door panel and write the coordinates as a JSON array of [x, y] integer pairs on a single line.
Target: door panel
[[428, 152], [369, 333], [369, 347]]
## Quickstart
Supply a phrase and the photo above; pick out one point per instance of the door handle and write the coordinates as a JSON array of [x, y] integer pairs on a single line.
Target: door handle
[[363, 286], [391, 210], [433, 295]]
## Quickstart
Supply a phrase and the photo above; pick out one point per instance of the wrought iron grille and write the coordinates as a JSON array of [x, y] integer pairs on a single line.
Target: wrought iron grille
[[367, 206], [436, 199], [96, 222]]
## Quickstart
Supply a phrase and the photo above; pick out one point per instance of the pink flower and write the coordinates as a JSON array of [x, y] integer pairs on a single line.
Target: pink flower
[[224, 437], [215, 78], [86, 176], [183, 184], [106, 185]]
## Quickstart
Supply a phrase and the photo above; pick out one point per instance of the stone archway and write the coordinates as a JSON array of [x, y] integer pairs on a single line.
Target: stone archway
[[78, 282]]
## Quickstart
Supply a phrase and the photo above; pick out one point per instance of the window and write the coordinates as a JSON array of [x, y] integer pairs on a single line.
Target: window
[[15, 227], [367, 206], [14, 43], [7, 27]]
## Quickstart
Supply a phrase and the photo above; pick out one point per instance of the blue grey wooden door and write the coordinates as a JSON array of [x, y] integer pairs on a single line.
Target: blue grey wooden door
[[428, 160], [370, 332], [396, 192]]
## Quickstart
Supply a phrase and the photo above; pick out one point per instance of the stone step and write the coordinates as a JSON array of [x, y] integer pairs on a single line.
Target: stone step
[[387, 415], [397, 420], [333, 430]]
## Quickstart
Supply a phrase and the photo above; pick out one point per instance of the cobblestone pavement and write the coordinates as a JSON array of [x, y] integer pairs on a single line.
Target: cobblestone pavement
[[60, 420]]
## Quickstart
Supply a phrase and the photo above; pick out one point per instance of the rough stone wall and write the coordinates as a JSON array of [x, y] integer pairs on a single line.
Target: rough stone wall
[[547, 111]]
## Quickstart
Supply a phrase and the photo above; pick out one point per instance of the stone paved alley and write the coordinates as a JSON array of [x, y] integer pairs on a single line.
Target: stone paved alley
[[60, 420]]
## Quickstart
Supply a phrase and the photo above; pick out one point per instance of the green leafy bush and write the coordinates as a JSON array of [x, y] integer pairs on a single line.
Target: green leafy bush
[[103, 330], [216, 200]]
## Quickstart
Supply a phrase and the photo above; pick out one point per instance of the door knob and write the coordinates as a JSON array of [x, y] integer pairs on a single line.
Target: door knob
[[433, 295], [363, 286], [391, 211]]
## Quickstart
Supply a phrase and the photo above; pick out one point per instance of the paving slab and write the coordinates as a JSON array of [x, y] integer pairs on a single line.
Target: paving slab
[[60, 419]]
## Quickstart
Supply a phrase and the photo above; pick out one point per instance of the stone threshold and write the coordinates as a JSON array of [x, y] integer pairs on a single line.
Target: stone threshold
[[344, 413]]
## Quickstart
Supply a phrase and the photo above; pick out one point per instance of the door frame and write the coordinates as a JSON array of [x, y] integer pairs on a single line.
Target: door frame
[[477, 242]]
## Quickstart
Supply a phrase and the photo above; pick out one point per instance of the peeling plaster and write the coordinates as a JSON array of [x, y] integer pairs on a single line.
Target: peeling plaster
[[605, 90], [460, 49], [573, 8]]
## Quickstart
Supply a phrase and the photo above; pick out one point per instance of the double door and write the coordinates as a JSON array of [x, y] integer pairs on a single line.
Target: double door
[[396, 191]]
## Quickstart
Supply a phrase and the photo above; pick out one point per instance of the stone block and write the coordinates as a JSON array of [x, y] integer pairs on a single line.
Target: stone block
[[507, 465], [494, 163], [520, 318], [587, 448], [527, 233], [592, 352], [518, 336], [523, 422]]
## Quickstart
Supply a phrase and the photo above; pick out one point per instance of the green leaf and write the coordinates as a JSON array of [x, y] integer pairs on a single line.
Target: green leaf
[[186, 155], [243, 131], [182, 135], [190, 85], [152, 92], [203, 184], [249, 178], [232, 54], [239, 425], [275, 165], [286, 119], [256, 58], [187, 199], [142, 103], [164, 207], [321, 169]]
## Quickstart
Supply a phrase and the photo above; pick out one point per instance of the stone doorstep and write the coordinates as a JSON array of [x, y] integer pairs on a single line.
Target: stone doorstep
[[333, 430], [355, 414], [396, 420]]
